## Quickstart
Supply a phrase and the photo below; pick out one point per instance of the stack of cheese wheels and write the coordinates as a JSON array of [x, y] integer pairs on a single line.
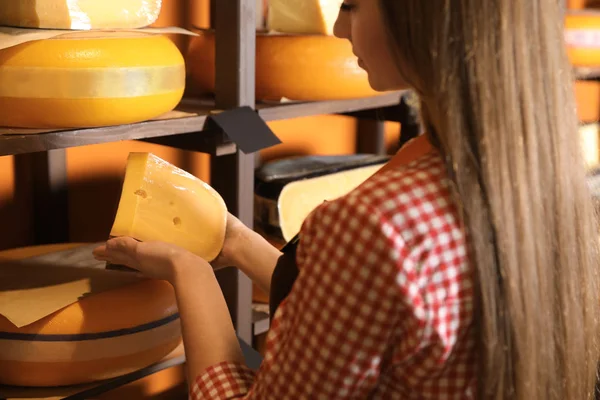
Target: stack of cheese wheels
[[99, 71], [582, 36], [298, 58], [101, 336]]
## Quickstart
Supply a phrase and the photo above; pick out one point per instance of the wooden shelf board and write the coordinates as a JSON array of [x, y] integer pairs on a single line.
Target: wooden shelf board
[[272, 112], [188, 118], [587, 73], [61, 139], [176, 357]]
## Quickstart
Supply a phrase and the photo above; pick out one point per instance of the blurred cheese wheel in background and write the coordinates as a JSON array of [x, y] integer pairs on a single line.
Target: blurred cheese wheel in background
[[89, 79], [582, 37], [79, 14], [587, 95], [101, 336], [177, 13], [295, 67]]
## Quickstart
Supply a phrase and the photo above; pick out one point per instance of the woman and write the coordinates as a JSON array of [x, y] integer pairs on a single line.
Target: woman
[[468, 272]]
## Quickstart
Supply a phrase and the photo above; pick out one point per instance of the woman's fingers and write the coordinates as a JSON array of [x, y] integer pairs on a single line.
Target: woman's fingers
[[99, 252], [121, 250]]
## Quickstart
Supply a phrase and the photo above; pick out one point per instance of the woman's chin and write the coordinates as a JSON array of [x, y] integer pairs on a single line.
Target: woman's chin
[[380, 85], [377, 85]]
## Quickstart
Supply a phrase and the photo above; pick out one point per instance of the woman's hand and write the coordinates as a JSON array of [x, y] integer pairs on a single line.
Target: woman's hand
[[208, 333], [158, 260]]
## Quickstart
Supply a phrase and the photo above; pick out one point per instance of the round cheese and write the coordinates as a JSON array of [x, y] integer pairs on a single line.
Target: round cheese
[[79, 14], [102, 336], [89, 79], [582, 36], [288, 66]]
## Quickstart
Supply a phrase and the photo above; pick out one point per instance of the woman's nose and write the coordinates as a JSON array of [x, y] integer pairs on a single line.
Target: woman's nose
[[341, 28]]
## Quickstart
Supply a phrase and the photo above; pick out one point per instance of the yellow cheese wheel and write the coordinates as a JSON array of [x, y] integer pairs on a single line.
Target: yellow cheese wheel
[[582, 37], [162, 202], [295, 67], [89, 79], [102, 336], [79, 14]]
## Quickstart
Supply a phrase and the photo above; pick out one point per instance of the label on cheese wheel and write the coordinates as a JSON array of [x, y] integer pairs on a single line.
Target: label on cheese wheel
[[79, 14]]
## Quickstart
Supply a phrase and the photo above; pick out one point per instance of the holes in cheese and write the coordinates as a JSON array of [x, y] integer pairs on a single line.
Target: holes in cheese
[[162, 202], [303, 16], [89, 79], [79, 14]]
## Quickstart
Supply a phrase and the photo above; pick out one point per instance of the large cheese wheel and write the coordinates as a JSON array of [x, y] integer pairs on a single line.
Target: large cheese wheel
[[582, 36], [79, 14], [101, 336], [89, 79], [296, 67]]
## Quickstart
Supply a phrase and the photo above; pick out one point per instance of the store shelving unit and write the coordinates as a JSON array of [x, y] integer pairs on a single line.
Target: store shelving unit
[[40, 159]]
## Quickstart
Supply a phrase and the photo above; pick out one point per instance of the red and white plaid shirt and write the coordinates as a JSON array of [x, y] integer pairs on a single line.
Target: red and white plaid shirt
[[383, 304]]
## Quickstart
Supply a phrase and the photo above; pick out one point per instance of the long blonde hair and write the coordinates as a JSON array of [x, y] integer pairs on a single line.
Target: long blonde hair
[[498, 101]]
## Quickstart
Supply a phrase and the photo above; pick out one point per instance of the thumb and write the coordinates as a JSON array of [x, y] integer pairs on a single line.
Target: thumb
[[122, 250]]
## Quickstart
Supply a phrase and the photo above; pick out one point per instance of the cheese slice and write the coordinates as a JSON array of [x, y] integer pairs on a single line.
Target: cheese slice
[[303, 16], [79, 14], [164, 203], [90, 79], [298, 199]]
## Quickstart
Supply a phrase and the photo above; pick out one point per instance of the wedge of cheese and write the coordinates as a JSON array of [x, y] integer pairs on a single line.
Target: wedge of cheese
[[288, 190], [164, 203], [303, 16], [89, 79], [298, 199], [79, 14]]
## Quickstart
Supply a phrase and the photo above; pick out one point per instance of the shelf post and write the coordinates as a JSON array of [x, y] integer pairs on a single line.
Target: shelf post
[[233, 175], [370, 136], [46, 174]]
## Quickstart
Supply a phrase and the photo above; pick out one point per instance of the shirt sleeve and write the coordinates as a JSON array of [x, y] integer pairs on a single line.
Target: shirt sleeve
[[331, 335]]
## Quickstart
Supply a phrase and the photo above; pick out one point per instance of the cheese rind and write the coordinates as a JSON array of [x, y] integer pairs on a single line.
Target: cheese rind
[[160, 202], [79, 14], [89, 79], [303, 16]]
